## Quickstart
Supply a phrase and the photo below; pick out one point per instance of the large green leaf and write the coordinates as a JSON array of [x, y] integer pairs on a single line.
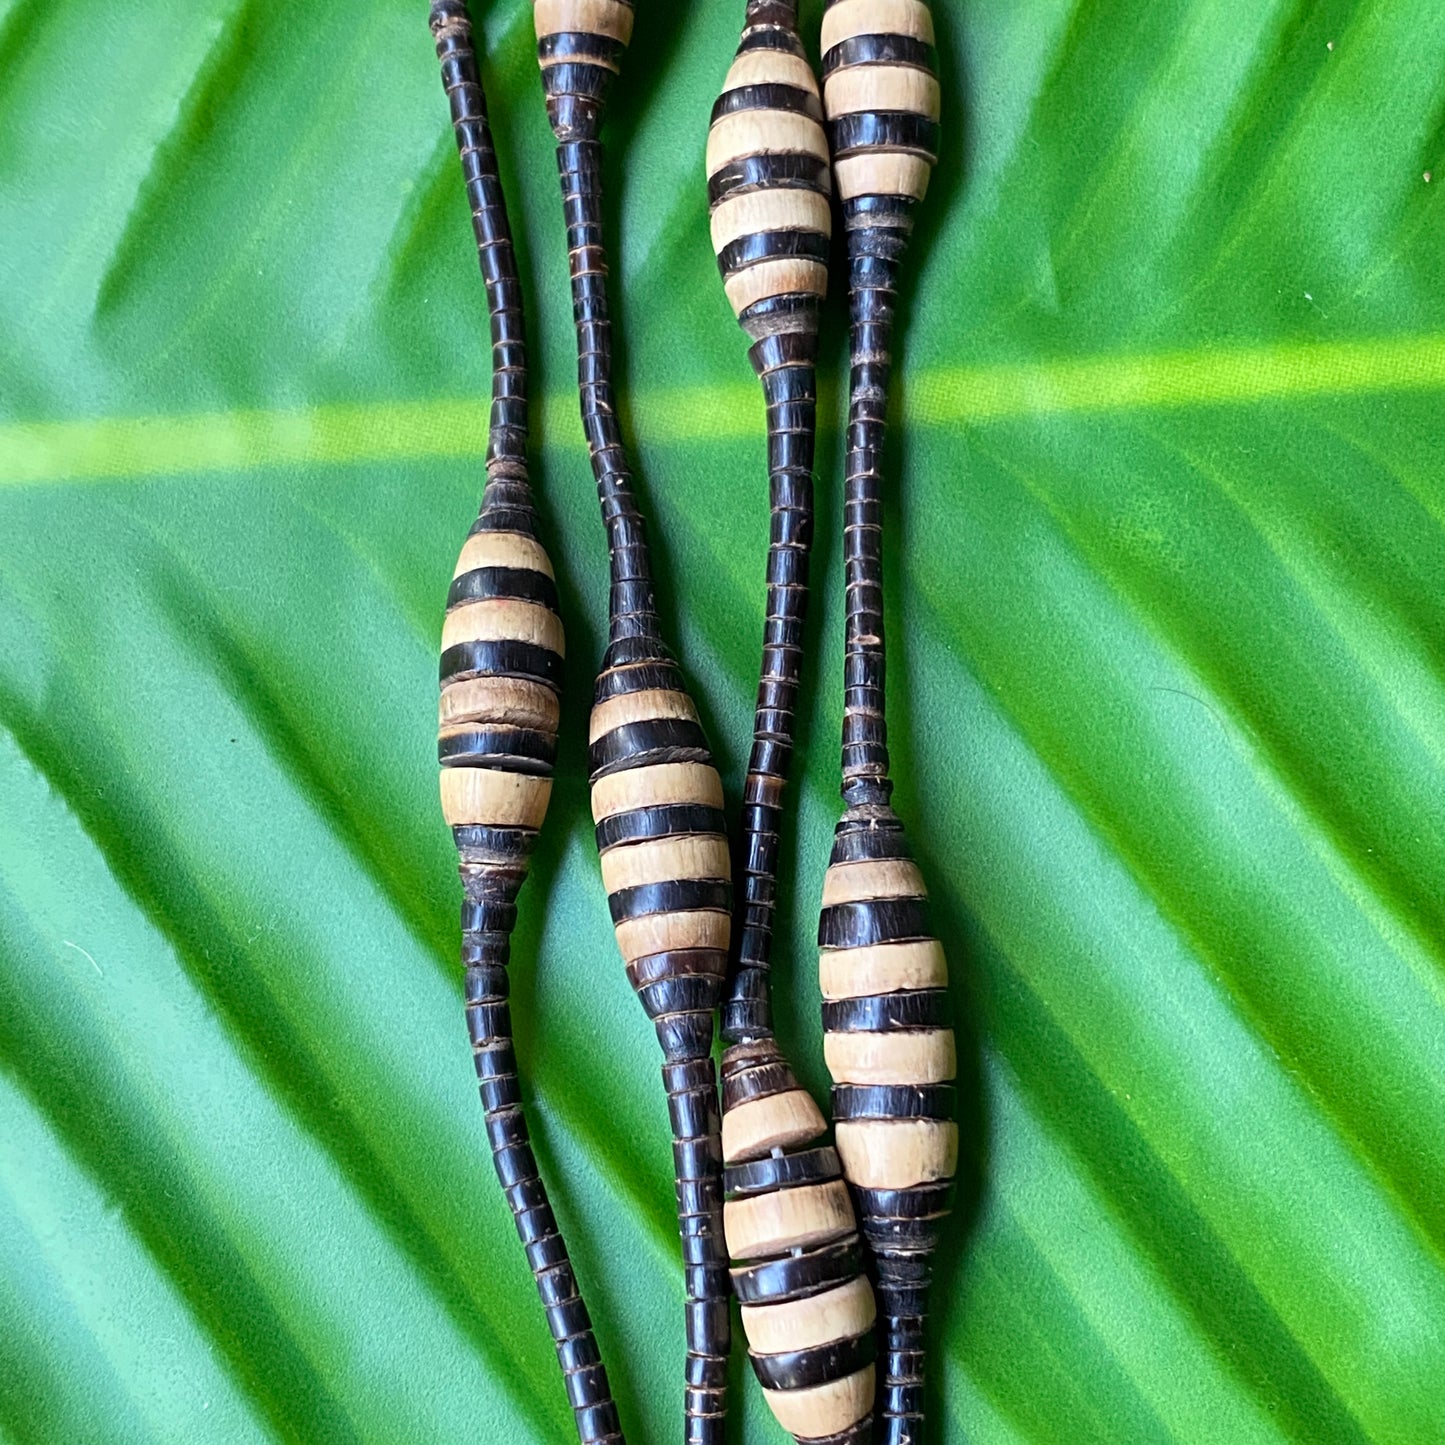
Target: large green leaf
[[1167, 569]]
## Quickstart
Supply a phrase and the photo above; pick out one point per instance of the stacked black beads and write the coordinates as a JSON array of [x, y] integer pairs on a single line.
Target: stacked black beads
[[501, 668]]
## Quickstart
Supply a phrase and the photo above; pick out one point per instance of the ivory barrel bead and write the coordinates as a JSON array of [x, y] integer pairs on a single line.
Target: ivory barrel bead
[[770, 67], [775, 278], [752, 132], [493, 798], [921, 1056], [872, 878], [660, 785], [509, 701], [671, 933], [777, 1121], [819, 1319], [847, 18], [503, 549], [881, 968], [897, 1153], [881, 87], [657, 861], [826, 1409], [787, 1219], [499, 619], [635, 707], [890, 173], [783, 209], [609, 18]]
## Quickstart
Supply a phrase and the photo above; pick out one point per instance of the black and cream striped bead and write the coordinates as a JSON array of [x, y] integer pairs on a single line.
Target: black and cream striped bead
[[580, 44], [807, 1307], [501, 668], [881, 96], [767, 171], [889, 1045]]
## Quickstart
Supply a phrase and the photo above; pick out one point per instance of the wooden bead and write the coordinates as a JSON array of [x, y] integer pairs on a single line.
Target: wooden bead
[[492, 798], [914, 1056], [663, 785], [782, 1121], [586, 20], [872, 878], [787, 1219], [881, 97], [497, 719], [820, 1319], [767, 169], [635, 707], [500, 702], [499, 619], [516, 551], [827, 1409], [897, 1153], [881, 968]]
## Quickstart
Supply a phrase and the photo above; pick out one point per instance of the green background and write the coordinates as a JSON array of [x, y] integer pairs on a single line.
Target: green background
[[1168, 703]]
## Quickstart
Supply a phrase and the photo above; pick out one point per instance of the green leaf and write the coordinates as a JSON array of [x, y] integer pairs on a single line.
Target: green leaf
[[1166, 568]]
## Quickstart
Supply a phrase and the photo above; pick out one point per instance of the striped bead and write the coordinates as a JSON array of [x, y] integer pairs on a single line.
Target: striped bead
[[501, 669], [807, 1307], [579, 48], [887, 1032], [657, 805], [767, 170], [881, 96]]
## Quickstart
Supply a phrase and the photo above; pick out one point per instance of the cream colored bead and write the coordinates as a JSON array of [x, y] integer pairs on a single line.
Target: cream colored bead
[[897, 1153], [904, 88], [881, 968], [766, 1225], [504, 619], [907, 1056], [804, 1324], [875, 878], [660, 860], [493, 798], [499, 702], [656, 786], [778, 1121], [760, 132], [635, 707], [784, 209], [826, 1409], [671, 932], [585, 17], [876, 17], [502, 549]]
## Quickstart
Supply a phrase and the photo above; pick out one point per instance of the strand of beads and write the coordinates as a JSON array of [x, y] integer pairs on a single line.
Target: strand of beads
[[807, 1310], [888, 1043], [500, 670], [656, 797]]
